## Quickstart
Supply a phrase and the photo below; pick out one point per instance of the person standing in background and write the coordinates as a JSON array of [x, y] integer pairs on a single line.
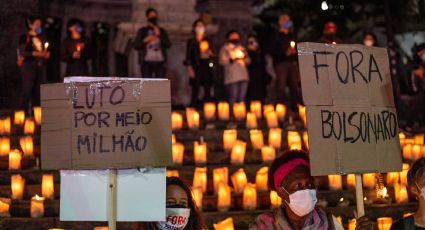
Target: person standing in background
[[76, 50], [330, 34], [199, 63], [369, 39], [235, 59], [258, 77], [152, 43], [32, 54]]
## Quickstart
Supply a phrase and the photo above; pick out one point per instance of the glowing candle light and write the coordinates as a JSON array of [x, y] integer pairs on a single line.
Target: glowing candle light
[[17, 186], [268, 108], [239, 180], [209, 111], [237, 156], [172, 173], [403, 174], [275, 137], [37, 206], [402, 138], [335, 182], [256, 137], [37, 114], [48, 186], [200, 152], [351, 180], [27, 145], [224, 197], [29, 126], [204, 46], [392, 178], [255, 108], [268, 154], [200, 178], [239, 110], [229, 138], [4, 146], [238, 53], [407, 152], [220, 175], [416, 151], [178, 153], [19, 117], [352, 224], [46, 45], [249, 197], [401, 195], [294, 140], [101, 228], [15, 158], [305, 138], [292, 44], [384, 223], [419, 139], [275, 200], [261, 178], [192, 118], [223, 111], [5, 126], [281, 111], [197, 196], [4, 207], [226, 224], [369, 180], [173, 138], [251, 121], [176, 121], [271, 119], [301, 111]]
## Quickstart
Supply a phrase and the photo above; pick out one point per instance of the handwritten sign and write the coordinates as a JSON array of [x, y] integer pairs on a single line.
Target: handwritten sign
[[351, 118], [106, 124]]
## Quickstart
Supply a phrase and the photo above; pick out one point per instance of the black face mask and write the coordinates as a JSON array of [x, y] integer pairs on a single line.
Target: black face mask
[[153, 20], [234, 41]]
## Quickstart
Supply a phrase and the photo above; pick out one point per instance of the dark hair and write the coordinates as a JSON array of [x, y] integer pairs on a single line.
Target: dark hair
[[420, 47], [371, 34], [252, 35], [149, 10], [416, 172], [286, 157], [196, 22], [31, 20], [231, 32], [72, 22]]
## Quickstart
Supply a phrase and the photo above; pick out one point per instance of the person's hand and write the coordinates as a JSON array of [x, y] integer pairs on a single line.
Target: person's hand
[[150, 39], [291, 51], [190, 72], [363, 223], [156, 31], [76, 55], [46, 54]]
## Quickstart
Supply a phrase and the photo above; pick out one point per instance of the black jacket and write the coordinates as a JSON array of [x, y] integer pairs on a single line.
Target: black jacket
[[76, 67], [141, 46], [193, 52], [279, 45]]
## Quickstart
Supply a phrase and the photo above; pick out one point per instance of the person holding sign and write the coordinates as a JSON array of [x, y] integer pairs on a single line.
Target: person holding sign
[[289, 176]]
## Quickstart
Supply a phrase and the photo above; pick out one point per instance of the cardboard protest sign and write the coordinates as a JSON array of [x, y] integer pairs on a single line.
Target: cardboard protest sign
[[351, 117], [106, 123]]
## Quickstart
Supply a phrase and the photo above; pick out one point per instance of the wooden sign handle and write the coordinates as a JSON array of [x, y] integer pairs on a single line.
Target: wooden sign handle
[[359, 196], [112, 200]]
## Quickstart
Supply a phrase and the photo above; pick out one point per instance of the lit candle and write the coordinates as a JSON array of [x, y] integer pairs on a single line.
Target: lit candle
[[281, 111], [200, 152], [392, 178], [403, 174], [220, 175], [4, 146], [5, 126], [301, 112], [176, 121], [237, 156], [239, 110], [255, 107], [15, 158], [197, 196], [402, 137], [292, 44], [17, 186], [384, 223], [27, 145], [223, 111], [407, 152], [37, 114], [305, 139], [192, 118], [29, 126], [251, 121], [271, 119], [268, 154], [352, 224], [261, 178], [335, 182], [238, 53], [256, 137], [419, 139], [101, 228], [229, 138], [200, 178], [46, 45], [204, 46], [369, 180], [224, 197], [267, 108], [239, 181], [226, 224], [173, 139], [209, 111], [275, 137], [178, 153], [172, 173], [351, 180], [400, 191], [4, 207], [37, 206], [48, 186], [249, 197], [275, 200], [19, 117], [294, 140], [416, 151]]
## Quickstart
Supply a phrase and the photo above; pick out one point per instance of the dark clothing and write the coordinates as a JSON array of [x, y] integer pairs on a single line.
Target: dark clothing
[[258, 77], [153, 69], [28, 44], [279, 45], [330, 39], [287, 74], [142, 46], [407, 223], [76, 66], [193, 52]]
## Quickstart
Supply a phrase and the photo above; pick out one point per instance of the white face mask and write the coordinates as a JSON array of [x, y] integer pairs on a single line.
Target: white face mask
[[200, 30], [176, 219], [302, 202], [368, 43], [422, 190]]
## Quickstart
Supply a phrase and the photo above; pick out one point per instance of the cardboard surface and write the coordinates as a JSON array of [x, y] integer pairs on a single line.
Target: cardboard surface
[[140, 195], [351, 117], [106, 123]]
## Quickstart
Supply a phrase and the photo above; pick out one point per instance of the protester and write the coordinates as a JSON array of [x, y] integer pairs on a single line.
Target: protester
[[234, 58], [369, 39], [76, 49], [289, 176], [199, 55], [152, 43], [330, 34], [258, 77], [416, 186], [179, 203], [32, 54], [284, 54]]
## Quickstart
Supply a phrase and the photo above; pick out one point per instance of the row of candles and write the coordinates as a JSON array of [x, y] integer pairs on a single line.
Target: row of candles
[[20, 119]]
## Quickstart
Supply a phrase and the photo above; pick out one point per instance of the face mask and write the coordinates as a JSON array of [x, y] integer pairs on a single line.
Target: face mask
[[287, 25], [302, 202], [176, 219], [153, 20], [78, 29], [254, 44], [38, 30], [200, 30], [368, 42]]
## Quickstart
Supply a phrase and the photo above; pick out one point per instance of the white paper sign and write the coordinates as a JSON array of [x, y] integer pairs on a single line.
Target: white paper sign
[[140, 195]]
